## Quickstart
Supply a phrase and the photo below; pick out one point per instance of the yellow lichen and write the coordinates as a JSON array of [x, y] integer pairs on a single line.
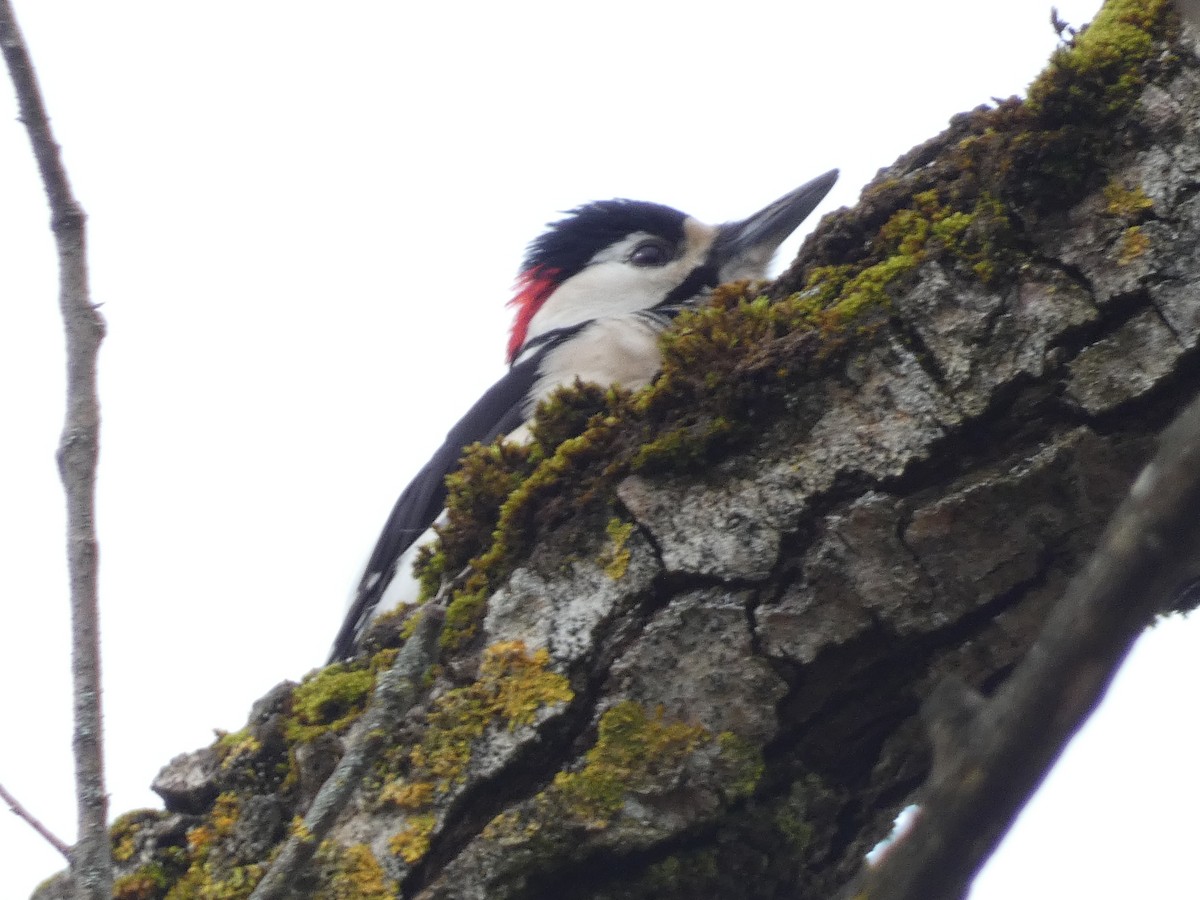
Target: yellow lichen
[[501, 826], [1128, 203], [224, 813], [199, 838], [412, 842], [300, 830], [615, 557], [356, 875], [406, 794], [512, 687], [204, 881], [1134, 243], [221, 819], [636, 751], [146, 883], [125, 830], [236, 747]]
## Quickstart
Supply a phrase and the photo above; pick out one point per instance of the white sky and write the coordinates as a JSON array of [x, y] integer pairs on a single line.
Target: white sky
[[304, 221]]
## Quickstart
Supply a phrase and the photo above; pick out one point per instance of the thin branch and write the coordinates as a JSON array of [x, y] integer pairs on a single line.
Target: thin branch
[[396, 692], [990, 756], [35, 823], [77, 453]]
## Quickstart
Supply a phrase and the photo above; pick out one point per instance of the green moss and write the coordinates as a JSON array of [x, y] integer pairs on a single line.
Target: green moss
[[691, 870], [236, 747], [638, 752], [561, 482], [513, 685], [503, 493], [724, 365], [464, 613], [728, 362], [760, 850], [1099, 73], [797, 831], [1131, 206], [633, 750], [206, 881], [125, 829], [205, 878], [512, 688], [352, 873], [729, 365], [154, 879], [329, 700], [166, 864], [1070, 123], [567, 413], [148, 882], [743, 766], [1127, 203], [727, 368], [477, 489], [615, 557]]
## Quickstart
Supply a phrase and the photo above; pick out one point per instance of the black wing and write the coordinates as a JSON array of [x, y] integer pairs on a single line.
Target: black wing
[[497, 412]]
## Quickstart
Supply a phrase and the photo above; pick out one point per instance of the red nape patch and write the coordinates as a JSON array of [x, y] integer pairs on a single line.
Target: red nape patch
[[532, 290]]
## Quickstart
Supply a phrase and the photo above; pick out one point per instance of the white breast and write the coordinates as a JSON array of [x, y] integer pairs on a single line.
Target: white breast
[[620, 350]]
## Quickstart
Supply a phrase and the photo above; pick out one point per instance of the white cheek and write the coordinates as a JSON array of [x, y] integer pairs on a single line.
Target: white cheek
[[604, 289], [611, 286]]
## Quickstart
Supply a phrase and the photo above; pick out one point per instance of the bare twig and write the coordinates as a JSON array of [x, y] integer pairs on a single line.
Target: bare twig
[[396, 691], [77, 452], [988, 765], [35, 823]]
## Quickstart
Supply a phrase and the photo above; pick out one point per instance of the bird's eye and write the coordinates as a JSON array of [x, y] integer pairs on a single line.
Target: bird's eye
[[651, 253]]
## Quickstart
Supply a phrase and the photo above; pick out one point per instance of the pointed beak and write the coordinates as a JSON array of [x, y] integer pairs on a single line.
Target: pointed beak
[[743, 249]]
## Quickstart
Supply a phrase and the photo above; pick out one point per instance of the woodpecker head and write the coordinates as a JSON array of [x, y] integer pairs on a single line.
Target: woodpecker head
[[620, 256]]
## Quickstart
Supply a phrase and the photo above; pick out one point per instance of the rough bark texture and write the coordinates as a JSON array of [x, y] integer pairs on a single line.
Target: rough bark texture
[[703, 678]]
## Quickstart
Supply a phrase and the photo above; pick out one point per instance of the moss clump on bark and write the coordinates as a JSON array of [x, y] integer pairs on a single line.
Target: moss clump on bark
[[513, 687], [329, 700], [352, 873]]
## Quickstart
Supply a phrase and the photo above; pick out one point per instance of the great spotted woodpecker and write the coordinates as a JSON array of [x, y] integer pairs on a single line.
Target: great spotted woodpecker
[[593, 294]]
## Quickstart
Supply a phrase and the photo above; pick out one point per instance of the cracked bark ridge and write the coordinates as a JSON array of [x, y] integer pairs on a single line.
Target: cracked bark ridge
[[990, 754], [718, 693]]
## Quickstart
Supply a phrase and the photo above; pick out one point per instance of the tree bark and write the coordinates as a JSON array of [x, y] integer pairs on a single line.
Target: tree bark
[[691, 650]]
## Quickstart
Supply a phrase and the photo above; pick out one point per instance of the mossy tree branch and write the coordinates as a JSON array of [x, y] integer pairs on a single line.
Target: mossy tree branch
[[91, 860]]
